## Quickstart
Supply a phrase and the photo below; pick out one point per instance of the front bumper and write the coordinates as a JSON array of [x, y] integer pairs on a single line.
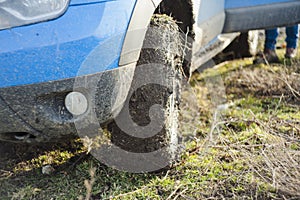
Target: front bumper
[[88, 36], [39, 109], [41, 63]]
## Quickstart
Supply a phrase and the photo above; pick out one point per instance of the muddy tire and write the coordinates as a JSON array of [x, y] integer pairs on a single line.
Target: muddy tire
[[148, 121]]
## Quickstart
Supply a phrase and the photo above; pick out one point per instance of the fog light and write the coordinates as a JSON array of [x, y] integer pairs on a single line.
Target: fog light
[[76, 103]]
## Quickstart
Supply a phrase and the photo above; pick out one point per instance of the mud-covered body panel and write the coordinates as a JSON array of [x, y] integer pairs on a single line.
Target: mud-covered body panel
[[39, 109]]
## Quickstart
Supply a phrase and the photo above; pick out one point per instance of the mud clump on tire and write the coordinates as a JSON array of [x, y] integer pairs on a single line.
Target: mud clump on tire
[[159, 68]]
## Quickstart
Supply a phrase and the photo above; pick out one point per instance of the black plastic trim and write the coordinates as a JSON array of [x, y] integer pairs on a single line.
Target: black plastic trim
[[261, 17], [39, 109]]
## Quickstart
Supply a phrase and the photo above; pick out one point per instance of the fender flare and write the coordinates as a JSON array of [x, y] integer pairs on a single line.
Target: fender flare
[[136, 31]]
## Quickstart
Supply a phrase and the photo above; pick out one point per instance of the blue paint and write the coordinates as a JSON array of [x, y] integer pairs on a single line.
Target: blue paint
[[60, 48], [86, 2], [248, 3], [87, 39]]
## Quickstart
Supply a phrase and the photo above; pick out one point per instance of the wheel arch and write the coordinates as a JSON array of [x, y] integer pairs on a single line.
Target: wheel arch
[[141, 16], [174, 8]]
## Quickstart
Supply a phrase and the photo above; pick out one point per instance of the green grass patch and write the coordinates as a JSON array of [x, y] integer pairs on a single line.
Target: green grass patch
[[250, 154]]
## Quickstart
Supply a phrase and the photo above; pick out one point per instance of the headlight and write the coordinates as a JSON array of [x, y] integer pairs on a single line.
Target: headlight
[[20, 12]]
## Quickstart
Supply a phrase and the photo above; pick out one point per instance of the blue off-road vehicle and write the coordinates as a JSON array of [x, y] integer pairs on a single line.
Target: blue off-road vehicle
[[72, 67]]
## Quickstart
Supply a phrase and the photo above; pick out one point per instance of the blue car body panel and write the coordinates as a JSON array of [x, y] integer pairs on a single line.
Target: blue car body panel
[[249, 3], [91, 32], [84, 2], [57, 49]]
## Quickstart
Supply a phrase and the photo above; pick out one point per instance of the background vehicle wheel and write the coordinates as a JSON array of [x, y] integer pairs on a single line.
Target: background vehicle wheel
[[246, 45], [148, 121]]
